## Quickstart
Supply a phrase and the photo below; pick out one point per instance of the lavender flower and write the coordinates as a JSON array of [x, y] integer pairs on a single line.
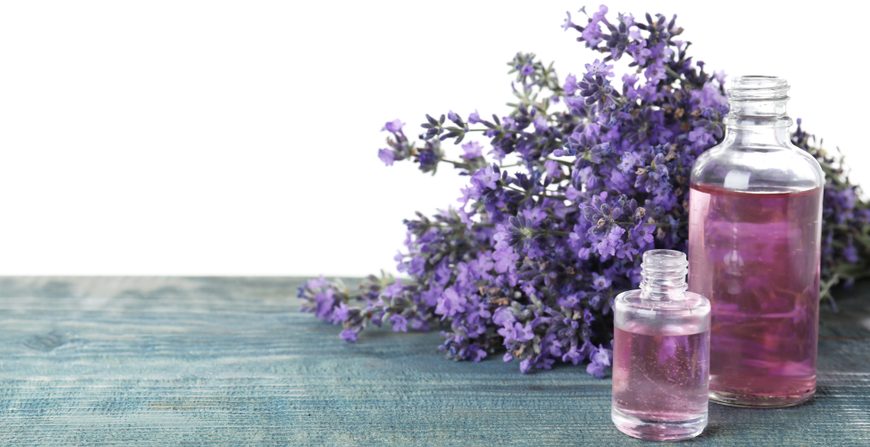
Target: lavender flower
[[472, 150], [387, 156], [399, 323], [394, 126], [349, 335], [600, 361]]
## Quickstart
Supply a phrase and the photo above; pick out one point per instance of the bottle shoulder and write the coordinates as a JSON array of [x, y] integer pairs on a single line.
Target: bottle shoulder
[[633, 299], [780, 168], [687, 316]]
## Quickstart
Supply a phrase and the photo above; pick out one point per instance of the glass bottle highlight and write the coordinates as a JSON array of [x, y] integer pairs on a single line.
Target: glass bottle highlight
[[661, 353], [755, 207]]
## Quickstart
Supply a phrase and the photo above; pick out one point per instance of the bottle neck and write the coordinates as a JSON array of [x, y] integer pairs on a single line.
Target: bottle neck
[[757, 113], [752, 131], [663, 275], [764, 109]]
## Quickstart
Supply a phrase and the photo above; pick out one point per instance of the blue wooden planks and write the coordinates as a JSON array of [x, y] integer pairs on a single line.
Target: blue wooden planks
[[230, 361]]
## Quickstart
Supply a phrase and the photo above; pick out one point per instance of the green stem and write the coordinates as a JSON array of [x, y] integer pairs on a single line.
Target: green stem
[[826, 287], [457, 164], [527, 194]]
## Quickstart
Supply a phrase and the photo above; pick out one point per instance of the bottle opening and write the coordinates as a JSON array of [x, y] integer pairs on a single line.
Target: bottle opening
[[663, 274], [757, 87]]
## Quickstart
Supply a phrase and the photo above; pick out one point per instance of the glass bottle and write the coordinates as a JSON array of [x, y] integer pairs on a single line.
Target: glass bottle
[[755, 207], [661, 358]]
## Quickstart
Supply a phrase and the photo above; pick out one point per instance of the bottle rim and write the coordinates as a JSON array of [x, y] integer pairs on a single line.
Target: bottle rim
[[757, 88]]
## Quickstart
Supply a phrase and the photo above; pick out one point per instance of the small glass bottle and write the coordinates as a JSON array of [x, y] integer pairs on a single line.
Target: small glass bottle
[[755, 207], [661, 346]]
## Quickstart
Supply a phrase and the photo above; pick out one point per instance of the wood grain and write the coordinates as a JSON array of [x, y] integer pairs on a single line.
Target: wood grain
[[230, 361]]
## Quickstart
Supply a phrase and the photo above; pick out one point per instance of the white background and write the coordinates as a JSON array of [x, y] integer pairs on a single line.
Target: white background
[[214, 137]]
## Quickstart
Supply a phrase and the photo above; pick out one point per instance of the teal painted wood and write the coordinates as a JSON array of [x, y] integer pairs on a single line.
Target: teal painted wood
[[230, 361]]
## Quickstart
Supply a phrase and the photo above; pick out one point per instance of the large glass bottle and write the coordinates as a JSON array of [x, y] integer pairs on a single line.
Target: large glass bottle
[[755, 208]]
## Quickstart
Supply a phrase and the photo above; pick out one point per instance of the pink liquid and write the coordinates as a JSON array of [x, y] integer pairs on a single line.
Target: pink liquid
[[660, 379], [756, 257]]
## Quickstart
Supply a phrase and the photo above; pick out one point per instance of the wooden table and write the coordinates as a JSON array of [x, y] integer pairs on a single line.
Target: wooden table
[[230, 361]]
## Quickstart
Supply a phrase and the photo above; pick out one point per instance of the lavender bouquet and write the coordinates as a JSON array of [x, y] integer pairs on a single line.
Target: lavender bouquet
[[581, 176]]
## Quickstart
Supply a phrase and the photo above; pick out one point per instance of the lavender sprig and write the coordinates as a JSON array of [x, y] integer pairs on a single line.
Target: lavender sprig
[[581, 176]]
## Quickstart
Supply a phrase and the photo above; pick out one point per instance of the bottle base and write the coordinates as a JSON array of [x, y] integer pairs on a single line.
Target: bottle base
[[760, 400], [657, 430]]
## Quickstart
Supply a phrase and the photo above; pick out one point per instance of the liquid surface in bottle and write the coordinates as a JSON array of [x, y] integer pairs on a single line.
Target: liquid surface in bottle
[[756, 257], [658, 376]]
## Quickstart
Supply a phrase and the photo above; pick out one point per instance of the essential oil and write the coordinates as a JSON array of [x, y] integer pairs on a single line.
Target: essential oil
[[757, 256], [661, 353]]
